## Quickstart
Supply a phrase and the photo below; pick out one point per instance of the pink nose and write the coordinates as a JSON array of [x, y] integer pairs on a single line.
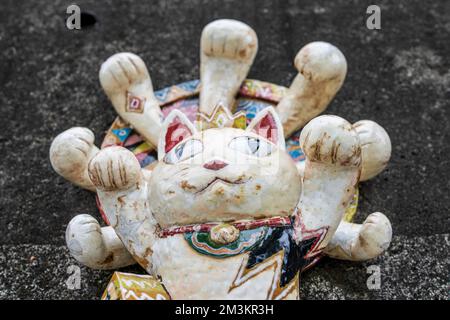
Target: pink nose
[[215, 165]]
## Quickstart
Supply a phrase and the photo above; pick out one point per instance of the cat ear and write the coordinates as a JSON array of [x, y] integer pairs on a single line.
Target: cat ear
[[176, 127], [267, 124]]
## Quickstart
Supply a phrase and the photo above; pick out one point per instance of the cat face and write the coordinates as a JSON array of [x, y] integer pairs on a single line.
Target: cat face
[[224, 174]]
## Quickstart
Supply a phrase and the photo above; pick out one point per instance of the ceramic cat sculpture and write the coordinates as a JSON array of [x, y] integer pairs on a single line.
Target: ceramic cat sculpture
[[226, 213]]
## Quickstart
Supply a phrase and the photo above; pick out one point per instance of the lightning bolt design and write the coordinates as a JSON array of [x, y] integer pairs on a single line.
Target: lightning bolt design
[[275, 262], [282, 251]]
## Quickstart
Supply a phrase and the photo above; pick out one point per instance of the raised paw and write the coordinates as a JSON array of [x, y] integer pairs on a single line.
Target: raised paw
[[114, 168], [322, 68], [70, 153], [85, 241], [321, 61], [123, 72], [375, 235], [375, 148], [331, 140], [229, 39]]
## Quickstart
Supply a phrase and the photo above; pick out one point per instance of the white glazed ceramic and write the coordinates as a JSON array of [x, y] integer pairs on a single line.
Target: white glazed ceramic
[[225, 212]]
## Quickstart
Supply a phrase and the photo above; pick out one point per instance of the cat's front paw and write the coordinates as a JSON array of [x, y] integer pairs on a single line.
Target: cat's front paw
[[121, 72], [85, 241], [114, 168], [331, 140], [375, 235], [229, 39], [70, 153]]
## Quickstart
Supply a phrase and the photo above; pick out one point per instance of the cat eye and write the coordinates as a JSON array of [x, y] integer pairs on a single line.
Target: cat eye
[[183, 151], [251, 146]]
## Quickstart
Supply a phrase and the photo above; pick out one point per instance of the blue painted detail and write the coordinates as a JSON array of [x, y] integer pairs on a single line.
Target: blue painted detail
[[122, 134], [189, 86]]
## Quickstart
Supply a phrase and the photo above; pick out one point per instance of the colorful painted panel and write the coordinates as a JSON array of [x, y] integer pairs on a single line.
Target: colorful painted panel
[[127, 286]]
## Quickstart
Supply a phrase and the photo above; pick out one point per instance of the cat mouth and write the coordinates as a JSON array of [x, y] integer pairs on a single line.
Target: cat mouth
[[240, 180]]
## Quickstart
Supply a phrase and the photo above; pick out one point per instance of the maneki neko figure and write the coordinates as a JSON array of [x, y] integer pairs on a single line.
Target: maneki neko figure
[[225, 212]]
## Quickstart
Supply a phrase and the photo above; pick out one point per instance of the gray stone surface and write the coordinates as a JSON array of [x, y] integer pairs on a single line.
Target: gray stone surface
[[409, 270], [398, 76]]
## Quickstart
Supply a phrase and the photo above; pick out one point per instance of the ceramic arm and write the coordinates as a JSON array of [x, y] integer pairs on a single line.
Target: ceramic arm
[[96, 247], [359, 242], [332, 168], [123, 193], [322, 69], [127, 83], [228, 48]]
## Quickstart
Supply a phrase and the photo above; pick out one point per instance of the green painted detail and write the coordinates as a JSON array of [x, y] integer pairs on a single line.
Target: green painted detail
[[202, 243]]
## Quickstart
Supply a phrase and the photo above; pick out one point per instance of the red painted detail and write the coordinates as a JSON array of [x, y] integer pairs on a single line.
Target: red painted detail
[[215, 165], [319, 234], [176, 132], [102, 213], [240, 225], [267, 128]]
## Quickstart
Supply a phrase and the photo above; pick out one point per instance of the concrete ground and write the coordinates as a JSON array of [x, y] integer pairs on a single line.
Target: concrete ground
[[398, 76]]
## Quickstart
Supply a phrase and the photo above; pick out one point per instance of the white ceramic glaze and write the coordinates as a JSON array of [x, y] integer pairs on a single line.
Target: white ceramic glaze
[[217, 215]]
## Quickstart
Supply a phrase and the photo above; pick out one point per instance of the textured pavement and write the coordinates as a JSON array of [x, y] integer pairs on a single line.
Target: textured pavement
[[398, 76]]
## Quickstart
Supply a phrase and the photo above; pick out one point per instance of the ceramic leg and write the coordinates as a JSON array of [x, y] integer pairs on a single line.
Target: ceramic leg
[[96, 247], [332, 168], [360, 242], [228, 48], [322, 69]]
